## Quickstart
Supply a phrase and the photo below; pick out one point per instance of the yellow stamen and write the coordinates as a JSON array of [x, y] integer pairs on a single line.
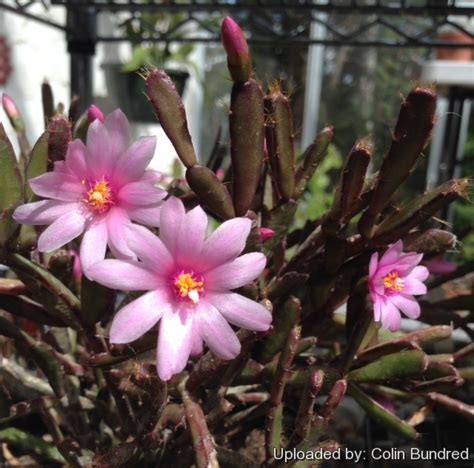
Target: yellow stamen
[[186, 285], [99, 197], [393, 282]]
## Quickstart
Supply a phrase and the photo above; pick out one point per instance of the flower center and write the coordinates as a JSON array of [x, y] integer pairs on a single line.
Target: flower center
[[186, 285], [100, 197], [392, 282]]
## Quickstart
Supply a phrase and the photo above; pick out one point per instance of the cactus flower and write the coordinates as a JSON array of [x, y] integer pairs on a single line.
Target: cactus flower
[[393, 281], [189, 279], [98, 190]]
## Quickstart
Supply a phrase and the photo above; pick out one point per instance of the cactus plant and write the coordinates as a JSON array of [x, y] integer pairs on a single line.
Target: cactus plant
[[79, 348]]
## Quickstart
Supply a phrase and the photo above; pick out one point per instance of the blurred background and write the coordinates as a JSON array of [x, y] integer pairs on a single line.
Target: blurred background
[[346, 63]]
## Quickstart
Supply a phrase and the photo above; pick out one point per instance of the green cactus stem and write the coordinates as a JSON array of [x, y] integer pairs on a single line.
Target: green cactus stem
[[414, 125], [211, 191], [41, 352], [413, 340], [67, 315], [48, 101], [279, 139], [350, 185], [279, 219], [418, 210], [285, 318], [431, 241], [281, 286], [59, 136], [97, 302], [282, 374], [311, 159], [203, 442], [30, 443], [392, 366], [246, 126], [38, 162], [22, 306], [454, 405], [11, 187], [305, 410], [170, 111], [379, 414]]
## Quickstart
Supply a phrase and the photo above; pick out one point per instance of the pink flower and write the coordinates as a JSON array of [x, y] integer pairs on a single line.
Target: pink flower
[[440, 266], [392, 283], [97, 191], [189, 279]]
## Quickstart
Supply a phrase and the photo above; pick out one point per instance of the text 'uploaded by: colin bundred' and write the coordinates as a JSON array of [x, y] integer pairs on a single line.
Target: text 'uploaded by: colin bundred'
[[411, 454]]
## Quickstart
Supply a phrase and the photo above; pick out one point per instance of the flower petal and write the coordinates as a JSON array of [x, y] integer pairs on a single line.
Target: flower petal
[[407, 304], [133, 162], [420, 273], [100, 159], [43, 212], [174, 343], [241, 311], [216, 332], [57, 185], [226, 242], [191, 237], [147, 215], [236, 273], [197, 345], [152, 176], [76, 162], [413, 286], [136, 318], [117, 225], [149, 249], [391, 318], [392, 254], [123, 274], [378, 303], [118, 128], [373, 264], [141, 194], [94, 244], [66, 228], [172, 219]]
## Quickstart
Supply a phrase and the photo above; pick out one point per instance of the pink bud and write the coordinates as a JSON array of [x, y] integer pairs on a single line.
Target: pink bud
[[220, 173], [266, 234], [10, 107], [94, 113], [234, 41], [238, 54]]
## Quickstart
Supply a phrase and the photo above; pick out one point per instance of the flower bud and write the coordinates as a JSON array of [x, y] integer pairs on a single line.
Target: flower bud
[[94, 113], [266, 233], [12, 112], [236, 47]]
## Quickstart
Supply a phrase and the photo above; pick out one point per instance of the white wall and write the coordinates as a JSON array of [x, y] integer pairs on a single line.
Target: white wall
[[39, 52]]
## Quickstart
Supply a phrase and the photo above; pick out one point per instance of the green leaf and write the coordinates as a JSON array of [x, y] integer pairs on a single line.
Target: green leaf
[[11, 187]]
